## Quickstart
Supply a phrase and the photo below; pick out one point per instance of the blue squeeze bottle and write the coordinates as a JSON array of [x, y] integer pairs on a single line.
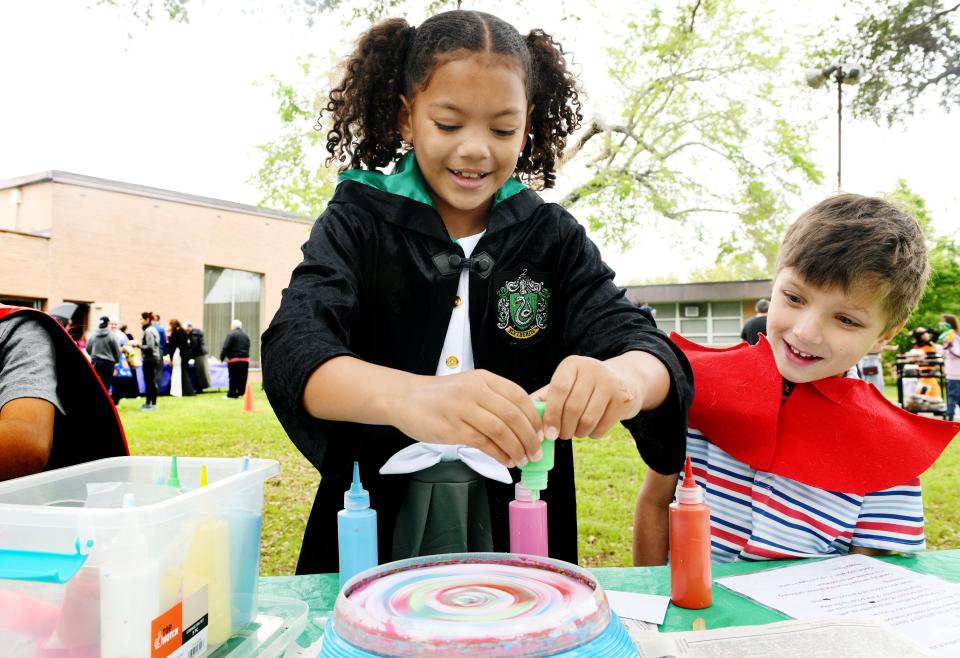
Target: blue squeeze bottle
[[356, 530], [245, 531]]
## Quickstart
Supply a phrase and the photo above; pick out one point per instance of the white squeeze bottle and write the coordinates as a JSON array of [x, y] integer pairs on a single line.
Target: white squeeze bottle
[[129, 594]]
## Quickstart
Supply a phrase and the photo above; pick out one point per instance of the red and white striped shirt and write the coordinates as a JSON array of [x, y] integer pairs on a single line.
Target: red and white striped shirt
[[755, 515]]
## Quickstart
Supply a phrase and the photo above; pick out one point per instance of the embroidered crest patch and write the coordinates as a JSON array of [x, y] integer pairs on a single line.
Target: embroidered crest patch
[[523, 307]]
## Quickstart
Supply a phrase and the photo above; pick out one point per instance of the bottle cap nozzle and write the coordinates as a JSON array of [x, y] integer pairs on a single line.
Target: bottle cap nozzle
[[688, 480], [356, 497], [689, 493], [534, 475], [525, 495], [174, 479]]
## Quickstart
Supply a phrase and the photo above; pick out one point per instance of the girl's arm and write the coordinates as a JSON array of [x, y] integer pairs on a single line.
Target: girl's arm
[[476, 408], [651, 519]]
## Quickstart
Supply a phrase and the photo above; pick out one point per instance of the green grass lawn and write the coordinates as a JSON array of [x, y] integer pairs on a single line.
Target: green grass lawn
[[609, 473]]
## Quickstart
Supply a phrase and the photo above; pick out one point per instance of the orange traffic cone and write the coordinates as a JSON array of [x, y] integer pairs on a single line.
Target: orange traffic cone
[[248, 399]]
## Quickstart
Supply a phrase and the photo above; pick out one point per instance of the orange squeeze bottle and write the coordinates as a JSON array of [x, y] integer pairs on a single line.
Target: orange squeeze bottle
[[690, 581]]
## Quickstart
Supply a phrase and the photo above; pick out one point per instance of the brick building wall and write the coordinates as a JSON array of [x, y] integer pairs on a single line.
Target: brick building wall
[[66, 237]]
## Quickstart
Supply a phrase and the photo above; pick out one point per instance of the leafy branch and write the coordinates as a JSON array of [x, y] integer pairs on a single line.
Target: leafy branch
[[701, 134]]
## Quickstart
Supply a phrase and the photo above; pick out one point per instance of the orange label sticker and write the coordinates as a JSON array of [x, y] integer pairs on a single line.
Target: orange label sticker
[[166, 632]]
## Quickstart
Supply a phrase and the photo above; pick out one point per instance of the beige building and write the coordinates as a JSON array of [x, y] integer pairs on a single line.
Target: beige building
[[119, 249], [707, 313]]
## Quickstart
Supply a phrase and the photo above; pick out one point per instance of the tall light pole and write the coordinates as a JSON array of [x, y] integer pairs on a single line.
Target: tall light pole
[[843, 74]]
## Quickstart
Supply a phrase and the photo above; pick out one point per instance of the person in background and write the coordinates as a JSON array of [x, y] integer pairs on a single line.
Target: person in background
[[152, 357], [124, 378], [63, 314], [925, 347], [54, 411], [870, 369], [198, 349], [951, 360], [160, 331], [757, 324], [178, 349], [236, 353], [119, 336], [649, 312], [126, 333], [131, 352], [104, 352]]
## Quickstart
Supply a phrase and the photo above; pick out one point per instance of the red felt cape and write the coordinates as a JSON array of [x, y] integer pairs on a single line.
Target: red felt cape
[[838, 434]]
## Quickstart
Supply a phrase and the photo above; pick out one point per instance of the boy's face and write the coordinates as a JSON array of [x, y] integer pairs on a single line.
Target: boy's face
[[468, 127], [817, 332]]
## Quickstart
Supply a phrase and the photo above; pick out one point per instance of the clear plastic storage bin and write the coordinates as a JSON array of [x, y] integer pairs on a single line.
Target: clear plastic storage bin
[[114, 558]]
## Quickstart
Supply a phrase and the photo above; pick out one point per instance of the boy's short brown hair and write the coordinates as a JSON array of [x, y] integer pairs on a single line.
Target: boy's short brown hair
[[849, 240]]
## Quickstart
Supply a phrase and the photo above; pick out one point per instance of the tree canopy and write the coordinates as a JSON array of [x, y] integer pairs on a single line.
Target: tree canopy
[[942, 294], [703, 133], [911, 51], [178, 11], [293, 175]]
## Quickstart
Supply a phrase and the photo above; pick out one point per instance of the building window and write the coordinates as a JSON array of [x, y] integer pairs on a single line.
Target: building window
[[666, 316], [228, 295], [29, 302], [715, 323]]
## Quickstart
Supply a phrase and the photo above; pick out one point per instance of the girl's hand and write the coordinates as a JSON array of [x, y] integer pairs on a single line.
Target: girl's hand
[[586, 397], [475, 408]]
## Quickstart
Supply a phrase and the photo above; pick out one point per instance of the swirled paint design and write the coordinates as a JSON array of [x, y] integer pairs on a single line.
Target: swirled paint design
[[464, 605]]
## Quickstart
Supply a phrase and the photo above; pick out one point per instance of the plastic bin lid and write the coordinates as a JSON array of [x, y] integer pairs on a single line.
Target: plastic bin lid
[[277, 624], [39, 566]]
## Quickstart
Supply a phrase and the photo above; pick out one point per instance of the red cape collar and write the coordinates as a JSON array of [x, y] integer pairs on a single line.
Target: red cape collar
[[837, 434]]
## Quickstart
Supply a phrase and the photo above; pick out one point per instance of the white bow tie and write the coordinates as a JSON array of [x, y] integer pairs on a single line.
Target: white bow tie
[[420, 456]]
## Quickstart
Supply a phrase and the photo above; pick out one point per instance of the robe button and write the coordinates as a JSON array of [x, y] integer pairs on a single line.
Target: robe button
[[452, 362], [457, 302]]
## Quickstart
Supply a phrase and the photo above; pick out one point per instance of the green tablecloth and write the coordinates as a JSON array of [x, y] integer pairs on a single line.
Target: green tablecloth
[[728, 609]]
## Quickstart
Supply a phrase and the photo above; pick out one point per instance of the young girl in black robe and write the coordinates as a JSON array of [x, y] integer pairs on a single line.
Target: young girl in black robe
[[433, 304]]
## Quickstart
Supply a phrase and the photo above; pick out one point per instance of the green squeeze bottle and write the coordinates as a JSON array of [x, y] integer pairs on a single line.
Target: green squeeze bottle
[[533, 476]]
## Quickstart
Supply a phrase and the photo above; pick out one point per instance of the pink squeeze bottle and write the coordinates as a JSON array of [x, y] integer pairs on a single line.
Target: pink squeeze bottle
[[528, 523]]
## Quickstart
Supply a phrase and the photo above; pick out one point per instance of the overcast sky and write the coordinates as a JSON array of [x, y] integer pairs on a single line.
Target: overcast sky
[[176, 106]]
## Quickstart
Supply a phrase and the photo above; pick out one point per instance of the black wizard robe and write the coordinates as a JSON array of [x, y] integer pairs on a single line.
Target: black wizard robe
[[378, 281]]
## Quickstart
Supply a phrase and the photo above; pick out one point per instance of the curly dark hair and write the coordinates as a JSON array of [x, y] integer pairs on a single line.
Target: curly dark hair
[[393, 58]]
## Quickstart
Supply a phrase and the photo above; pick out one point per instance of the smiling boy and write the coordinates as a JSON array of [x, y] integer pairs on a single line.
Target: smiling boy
[[796, 459]]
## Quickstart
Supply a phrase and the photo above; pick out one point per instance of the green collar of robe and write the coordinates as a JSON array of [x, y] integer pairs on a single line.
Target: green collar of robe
[[407, 181]]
